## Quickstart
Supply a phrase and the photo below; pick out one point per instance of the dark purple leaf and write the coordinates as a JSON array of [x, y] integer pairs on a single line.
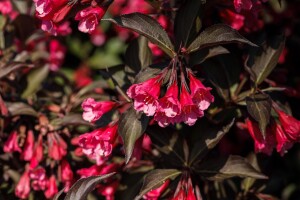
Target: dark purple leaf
[[84, 186], [11, 67], [231, 166], [70, 119], [131, 127], [20, 108], [259, 107], [216, 35], [148, 27], [156, 178]]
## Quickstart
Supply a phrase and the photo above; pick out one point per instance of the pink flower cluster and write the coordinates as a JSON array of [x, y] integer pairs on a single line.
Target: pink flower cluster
[[35, 176], [53, 14], [94, 110], [172, 108], [98, 144], [280, 136]]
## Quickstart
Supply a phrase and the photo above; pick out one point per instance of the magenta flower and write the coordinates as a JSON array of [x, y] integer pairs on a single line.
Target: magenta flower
[[22, 189], [39, 179], [290, 125], [51, 188], [283, 142], [38, 153], [66, 174], [11, 144], [200, 94], [190, 112], [146, 95], [27, 152], [89, 18], [260, 144], [57, 54], [94, 110], [156, 193], [242, 5], [98, 144], [57, 147]]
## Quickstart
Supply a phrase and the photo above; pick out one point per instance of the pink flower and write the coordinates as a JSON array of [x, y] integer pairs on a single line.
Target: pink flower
[[290, 125], [5, 7], [38, 153], [98, 37], [22, 189], [109, 190], [145, 95], [200, 94], [57, 147], [56, 29], [57, 54], [190, 112], [155, 193], [89, 18], [39, 179], [261, 145], [98, 144], [242, 4], [43, 7], [283, 142], [27, 152], [66, 174], [94, 110], [236, 21], [51, 188], [91, 171], [11, 144], [168, 107]]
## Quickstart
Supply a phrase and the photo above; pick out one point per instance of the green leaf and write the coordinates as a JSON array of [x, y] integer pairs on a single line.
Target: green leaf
[[35, 79], [216, 35], [231, 166], [186, 27], [259, 107], [148, 27], [266, 62], [5, 70], [70, 119], [20, 108], [84, 186], [156, 178], [207, 141], [131, 127], [137, 56]]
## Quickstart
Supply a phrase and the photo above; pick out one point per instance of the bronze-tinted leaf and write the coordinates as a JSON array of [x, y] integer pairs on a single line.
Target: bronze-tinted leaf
[[132, 125], [148, 27], [84, 186], [185, 26], [147, 73], [200, 56], [137, 56], [259, 107], [34, 80], [156, 178], [207, 141], [231, 166], [20, 108], [11, 67], [216, 35], [70, 119], [266, 62]]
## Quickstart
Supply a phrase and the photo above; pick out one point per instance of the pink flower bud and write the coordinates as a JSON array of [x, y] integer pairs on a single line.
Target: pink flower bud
[[57, 146], [11, 144], [38, 153], [155, 193], [66, 171], [22, 189], [57, 54], [51, 188], [27, 152]]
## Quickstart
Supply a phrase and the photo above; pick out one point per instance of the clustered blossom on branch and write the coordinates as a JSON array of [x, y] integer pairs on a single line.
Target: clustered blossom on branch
[[177, 105]]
